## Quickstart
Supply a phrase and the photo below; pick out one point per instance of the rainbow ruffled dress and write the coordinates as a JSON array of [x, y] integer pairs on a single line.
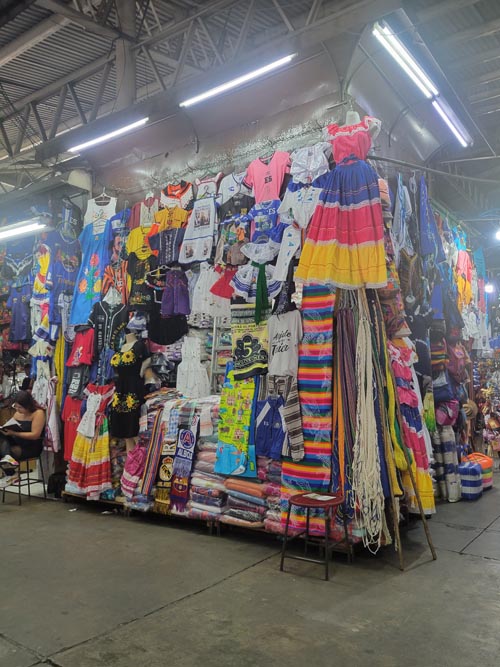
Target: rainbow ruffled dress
[[345, 239]]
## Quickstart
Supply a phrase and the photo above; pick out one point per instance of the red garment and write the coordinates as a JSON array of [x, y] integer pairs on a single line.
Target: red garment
[[82, 351], [222, 287], [71, 418]]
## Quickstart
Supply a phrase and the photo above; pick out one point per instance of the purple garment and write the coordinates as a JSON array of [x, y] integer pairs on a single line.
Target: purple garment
[[19, 303], [175, 299]]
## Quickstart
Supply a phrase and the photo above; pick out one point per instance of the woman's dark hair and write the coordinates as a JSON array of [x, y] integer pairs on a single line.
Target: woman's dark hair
[[26, 401]]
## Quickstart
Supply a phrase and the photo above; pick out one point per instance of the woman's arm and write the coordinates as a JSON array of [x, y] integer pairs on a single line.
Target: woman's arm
[[37, 426]]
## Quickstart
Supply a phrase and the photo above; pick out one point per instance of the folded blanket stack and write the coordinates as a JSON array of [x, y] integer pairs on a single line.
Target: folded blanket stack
[[246, 504], [269, 471]]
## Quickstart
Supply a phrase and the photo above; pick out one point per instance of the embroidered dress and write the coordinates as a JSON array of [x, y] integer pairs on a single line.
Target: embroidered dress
[[95, 257], [89, 471], [126, 403], [345, 239]]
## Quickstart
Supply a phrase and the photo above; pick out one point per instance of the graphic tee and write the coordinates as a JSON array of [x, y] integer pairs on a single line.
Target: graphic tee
[[265, 175], [231, 186], [264, 218], [199, 236], [285, 333]]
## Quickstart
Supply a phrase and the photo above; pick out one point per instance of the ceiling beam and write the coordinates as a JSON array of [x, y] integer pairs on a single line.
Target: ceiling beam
[[54, 87], [80, 19], [14, 9], [482, 78], [439, 8], [454, 62], [482, 30], [31, 38]]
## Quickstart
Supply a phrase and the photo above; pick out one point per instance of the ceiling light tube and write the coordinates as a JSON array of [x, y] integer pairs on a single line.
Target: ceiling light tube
[[402, 62], [239, 81], [20, 228], [109, 135], [497, 235], [401, 49], [489, 288], [441, 111]]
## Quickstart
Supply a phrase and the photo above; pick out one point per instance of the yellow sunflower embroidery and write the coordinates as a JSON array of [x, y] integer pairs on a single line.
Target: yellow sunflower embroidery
[[128, 357], [115, 360], [131, 401], [115, 401]]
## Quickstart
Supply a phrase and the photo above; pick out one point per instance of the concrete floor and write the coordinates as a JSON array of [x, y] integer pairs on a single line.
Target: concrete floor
[[86, 589]]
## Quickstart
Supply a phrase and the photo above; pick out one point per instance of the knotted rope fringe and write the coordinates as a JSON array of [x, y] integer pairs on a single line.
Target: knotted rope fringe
[[366, 480]]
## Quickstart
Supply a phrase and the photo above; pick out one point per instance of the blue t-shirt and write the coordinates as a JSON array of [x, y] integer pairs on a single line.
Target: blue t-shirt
[[264, 218]]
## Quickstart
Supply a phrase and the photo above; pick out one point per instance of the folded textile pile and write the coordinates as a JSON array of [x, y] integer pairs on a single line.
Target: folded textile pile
[[246, 503], [269, 472]]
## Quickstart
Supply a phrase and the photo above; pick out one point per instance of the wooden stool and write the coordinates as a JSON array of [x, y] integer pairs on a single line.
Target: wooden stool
[[324, 501]]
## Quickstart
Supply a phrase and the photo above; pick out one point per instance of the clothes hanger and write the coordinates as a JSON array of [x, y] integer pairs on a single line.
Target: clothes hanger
[[103, 197]]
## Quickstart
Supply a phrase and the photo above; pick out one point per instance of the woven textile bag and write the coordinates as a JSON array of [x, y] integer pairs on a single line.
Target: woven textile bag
[[471, 478]]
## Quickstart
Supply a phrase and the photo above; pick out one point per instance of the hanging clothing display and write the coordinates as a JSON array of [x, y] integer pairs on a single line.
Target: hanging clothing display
[[345, 239], [199, 234], [128, 396], [239, 385], [95, 257]]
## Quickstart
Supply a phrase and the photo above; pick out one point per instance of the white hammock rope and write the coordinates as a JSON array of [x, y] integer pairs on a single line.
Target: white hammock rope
[[366, 480]]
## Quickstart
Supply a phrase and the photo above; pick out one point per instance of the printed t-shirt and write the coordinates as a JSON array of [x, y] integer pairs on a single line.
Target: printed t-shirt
[[285, 334], [82, 351], [264, 218], [199, 236], [232, 185], [265, 175], [71, 416], [208, 187]]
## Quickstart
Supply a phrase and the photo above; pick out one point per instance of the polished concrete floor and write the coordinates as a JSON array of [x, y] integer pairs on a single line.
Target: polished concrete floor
[[87, 589]]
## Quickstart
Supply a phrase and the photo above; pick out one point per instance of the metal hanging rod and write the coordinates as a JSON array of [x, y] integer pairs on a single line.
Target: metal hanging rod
[[418, 167]]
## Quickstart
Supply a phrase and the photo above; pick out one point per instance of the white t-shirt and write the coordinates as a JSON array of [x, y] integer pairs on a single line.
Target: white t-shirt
[[232, 185], [285, 334], [199, 235]]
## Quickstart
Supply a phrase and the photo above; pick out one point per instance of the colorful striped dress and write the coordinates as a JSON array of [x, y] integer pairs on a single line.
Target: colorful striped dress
[[315, 392], [345, 239]]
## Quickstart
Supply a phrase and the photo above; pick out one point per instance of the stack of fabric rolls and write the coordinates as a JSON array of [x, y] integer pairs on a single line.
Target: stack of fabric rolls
[[269, 472], [246, 503]]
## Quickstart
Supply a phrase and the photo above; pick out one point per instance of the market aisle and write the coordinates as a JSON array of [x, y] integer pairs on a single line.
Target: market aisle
[[91, 590]]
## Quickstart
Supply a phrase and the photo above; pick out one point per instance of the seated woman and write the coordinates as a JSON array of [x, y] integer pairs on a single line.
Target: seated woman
[[27, 444]]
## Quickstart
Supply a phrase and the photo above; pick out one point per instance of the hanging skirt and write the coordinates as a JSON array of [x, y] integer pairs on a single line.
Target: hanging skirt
[[345, 239]]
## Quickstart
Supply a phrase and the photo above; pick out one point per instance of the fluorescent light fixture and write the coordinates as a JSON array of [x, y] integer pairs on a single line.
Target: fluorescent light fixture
[[24, 227], [234, 83], [497, 235], [489, 288], [405, 60], [424, 83], [109, 135], [439, 108]]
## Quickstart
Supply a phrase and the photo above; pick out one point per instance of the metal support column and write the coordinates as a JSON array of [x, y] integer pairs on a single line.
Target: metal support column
[[125, 55]]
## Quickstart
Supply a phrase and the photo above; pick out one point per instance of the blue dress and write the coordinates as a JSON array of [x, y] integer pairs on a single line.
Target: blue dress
[[95, 258]]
